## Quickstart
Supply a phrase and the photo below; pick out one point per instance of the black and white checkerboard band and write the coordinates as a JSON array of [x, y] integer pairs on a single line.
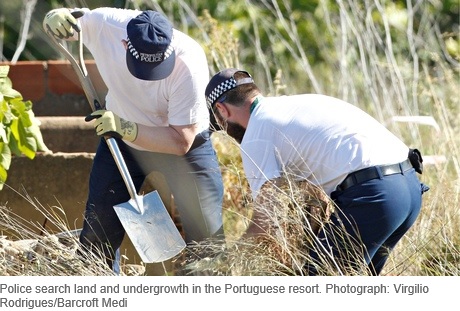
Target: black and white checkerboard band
[[221, 89], [225, 86]]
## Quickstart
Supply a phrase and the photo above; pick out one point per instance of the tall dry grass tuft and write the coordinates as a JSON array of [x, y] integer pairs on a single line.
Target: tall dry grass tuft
[[27, 249], [45, 254], [292, 213]]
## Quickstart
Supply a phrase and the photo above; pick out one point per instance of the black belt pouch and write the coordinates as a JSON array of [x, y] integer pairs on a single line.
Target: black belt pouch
[[415, 158]]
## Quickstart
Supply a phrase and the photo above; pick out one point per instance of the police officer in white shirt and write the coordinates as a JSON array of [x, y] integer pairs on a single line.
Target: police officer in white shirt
[[156, 77], [333, 145]]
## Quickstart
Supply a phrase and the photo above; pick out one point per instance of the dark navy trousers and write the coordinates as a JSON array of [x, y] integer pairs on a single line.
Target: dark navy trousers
[[375, 215], [194, 179]]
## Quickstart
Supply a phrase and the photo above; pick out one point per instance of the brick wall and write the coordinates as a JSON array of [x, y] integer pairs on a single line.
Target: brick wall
[[53, 86]]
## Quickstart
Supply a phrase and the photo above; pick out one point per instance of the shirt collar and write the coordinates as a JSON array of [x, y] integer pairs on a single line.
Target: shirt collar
[[254, 104]]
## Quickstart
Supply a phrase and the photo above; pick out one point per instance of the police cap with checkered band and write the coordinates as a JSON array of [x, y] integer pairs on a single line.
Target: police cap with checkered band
[[223, 82], [150, 54]]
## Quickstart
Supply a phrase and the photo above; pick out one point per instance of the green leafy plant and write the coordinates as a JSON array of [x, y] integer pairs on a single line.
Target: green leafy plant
[[19, 131]]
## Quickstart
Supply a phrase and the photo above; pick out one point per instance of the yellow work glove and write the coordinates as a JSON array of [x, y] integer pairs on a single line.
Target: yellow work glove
[[108, 123], [62, 22]]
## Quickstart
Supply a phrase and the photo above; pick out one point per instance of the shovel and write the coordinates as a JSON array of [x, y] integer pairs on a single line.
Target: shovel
[[144, 218]]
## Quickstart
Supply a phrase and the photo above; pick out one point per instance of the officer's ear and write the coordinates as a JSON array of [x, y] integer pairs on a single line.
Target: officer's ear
[[223, 110]]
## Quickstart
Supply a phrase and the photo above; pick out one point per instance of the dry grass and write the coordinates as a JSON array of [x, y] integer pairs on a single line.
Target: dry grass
[[365, 64], [43, 254], [27, 249], [293, 214]]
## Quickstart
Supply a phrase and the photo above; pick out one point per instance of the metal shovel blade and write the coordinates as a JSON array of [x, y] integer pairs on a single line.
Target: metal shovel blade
[[150, 228]]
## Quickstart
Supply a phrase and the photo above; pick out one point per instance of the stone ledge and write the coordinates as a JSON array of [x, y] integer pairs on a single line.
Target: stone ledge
[[68, 134], [55, 181]]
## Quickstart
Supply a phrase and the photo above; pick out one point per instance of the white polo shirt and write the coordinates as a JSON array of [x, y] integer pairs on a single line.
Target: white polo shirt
[[314, 137], [177, 100]]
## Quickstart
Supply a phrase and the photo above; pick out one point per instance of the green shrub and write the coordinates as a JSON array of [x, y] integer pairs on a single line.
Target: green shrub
[[19, 131]]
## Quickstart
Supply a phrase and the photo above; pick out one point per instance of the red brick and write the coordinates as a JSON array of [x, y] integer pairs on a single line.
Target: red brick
[[28, 78], [62, 79]]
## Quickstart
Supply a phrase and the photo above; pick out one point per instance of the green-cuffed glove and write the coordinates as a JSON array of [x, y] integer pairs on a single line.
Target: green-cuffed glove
[[108, 123], [62, 22]]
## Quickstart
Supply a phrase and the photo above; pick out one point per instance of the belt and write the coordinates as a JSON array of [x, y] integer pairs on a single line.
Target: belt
[[372, 173], [200, 139]]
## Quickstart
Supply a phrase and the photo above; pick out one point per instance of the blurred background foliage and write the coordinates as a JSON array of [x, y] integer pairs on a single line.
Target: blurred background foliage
[[388, 57], [305, 19], [289, 46]]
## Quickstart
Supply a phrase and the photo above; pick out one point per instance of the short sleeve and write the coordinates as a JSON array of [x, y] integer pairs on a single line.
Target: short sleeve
[[260, 162]]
